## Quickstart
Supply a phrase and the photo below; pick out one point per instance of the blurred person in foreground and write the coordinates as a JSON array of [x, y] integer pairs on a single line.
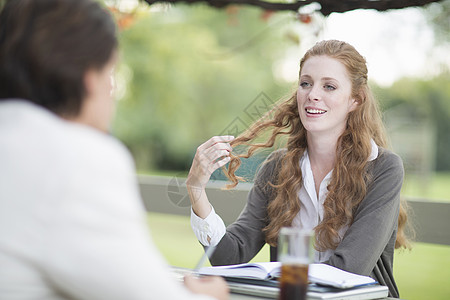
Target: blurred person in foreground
[[72, 225], [334, 176]]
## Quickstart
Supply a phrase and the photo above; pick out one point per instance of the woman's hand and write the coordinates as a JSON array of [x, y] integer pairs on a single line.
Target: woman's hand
[[212, 286], [210, 156]]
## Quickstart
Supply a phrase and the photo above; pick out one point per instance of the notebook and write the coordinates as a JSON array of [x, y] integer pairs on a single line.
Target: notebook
[[269, 289], [318, 273]]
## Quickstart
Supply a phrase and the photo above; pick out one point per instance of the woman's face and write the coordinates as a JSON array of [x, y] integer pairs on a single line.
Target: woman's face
[[98, 107], [324, 96]]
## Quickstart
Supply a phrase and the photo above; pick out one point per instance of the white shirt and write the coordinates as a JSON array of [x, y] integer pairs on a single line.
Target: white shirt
[[309, 216], [72, 224]]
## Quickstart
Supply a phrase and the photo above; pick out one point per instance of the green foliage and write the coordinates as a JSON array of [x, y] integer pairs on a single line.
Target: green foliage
[[188, 74], [424, 100]]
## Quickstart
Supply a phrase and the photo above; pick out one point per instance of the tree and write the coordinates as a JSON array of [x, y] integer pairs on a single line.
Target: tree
[[425, 100], [326, 6], [189, 74]]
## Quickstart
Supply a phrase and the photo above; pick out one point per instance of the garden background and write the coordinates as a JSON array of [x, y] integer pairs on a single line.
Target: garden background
[[189, 72]]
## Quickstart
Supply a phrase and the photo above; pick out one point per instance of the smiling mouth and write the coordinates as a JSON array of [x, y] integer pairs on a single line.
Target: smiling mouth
[[315, 111]]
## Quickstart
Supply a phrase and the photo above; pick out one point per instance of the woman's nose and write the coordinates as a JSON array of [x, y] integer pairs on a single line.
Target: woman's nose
[[314, 94]]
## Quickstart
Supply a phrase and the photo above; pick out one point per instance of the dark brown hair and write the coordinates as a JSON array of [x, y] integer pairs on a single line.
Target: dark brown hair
[[350, 176], [46, 46]]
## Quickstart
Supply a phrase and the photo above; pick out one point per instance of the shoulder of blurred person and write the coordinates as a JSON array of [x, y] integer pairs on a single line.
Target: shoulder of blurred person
[[47, 160], [61, 185], [38, 145]]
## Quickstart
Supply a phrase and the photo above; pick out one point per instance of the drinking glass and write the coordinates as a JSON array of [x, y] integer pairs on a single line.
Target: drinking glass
[[295, 252]]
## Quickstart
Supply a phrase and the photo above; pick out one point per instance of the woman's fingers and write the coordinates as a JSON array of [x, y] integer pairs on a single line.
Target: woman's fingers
[[221, 139], [220, 163], [215, 159], [213, 155], [210, 156], [212, 286]]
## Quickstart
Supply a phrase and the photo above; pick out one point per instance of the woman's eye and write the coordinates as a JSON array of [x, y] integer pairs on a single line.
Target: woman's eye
[[329, 87], [305, 84]]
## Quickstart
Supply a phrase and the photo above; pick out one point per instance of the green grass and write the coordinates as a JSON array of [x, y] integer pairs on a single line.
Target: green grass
[[422, 273], [436, 187]]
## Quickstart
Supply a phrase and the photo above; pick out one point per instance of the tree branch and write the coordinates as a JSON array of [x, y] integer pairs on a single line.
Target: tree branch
[[328, 6]]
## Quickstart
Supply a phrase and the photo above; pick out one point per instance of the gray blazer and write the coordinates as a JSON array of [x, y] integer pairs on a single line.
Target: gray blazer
[[367, 247]]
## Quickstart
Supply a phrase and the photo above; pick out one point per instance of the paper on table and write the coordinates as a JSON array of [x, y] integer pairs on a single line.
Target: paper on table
[[326, 274], [260, 270], [318, 273]]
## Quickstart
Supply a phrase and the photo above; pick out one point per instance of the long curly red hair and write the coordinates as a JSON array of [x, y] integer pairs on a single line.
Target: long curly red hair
[[350, 176]]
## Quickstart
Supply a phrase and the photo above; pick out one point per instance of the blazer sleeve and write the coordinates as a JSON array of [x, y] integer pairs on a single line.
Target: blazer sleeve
[[374, 228], [244, 238]]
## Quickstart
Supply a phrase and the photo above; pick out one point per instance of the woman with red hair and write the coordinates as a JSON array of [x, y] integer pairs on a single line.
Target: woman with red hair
[[334, 175]]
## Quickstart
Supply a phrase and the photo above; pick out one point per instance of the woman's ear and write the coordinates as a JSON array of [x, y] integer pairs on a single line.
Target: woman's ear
[[89, 80], [353, 104]]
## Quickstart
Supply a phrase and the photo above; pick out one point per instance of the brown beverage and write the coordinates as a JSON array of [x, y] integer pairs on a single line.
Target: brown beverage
[[293, 282]]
